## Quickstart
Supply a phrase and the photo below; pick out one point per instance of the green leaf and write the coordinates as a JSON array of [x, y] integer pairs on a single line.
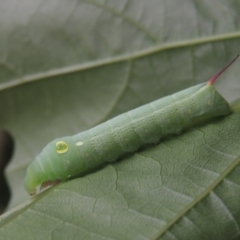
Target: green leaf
[[187, 187], [67, 66]]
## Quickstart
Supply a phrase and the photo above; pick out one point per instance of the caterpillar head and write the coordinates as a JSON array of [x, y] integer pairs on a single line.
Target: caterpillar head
[[58, 161]]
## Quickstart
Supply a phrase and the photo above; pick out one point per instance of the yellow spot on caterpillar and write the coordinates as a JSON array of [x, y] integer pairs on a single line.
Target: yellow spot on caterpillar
[[79, 143], [61, 147]]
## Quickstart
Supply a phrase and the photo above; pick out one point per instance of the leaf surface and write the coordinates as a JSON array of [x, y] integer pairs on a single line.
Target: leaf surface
[[67, 66], [186, 187]]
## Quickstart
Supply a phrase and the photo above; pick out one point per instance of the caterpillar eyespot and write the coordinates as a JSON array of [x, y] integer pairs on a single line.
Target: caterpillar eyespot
[[61, 147], [73, 155]]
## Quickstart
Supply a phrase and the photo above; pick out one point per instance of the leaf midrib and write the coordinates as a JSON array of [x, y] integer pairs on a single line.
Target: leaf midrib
[[201, 196], [118, 59]]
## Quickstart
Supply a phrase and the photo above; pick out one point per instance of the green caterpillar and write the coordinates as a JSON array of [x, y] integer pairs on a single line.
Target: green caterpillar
[[68, 157]]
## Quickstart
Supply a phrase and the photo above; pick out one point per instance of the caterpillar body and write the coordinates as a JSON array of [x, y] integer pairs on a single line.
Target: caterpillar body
[[68, 157]]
